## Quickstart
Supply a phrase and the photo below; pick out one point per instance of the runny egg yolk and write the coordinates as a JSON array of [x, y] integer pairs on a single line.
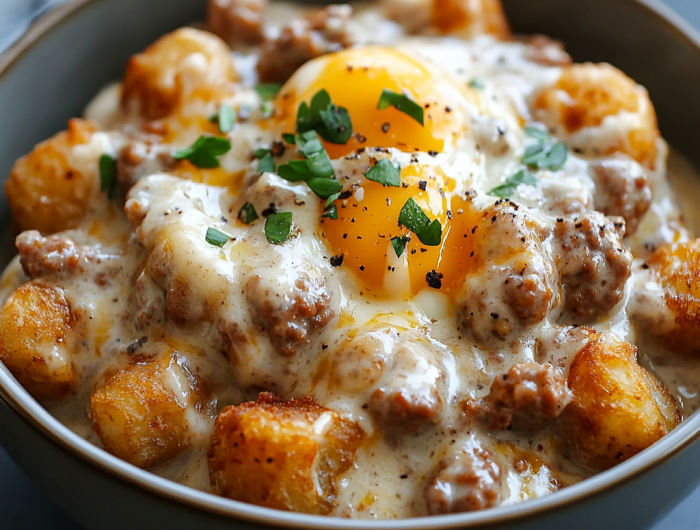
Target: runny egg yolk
[[355, 79], [369, 219]]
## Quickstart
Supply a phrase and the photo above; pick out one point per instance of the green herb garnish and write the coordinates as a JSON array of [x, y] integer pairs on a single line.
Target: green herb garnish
[[325, 187], [266, 164], [316, 165], [332, 123], [399, 243], [268, 91], [226, 118], [332, 199], [108, 175], [216, 237], [331, 213], [547, 153], [278, 227], [476, 83], [505, 190], [247, 213], [266, 109], [414, 218], [385, 173], [402, 103], [204, 151], [289, 138]]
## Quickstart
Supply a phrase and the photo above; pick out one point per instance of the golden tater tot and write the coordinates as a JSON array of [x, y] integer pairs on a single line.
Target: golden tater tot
[[176, 65], [45, 192], [585, 95], [33, 326], [295, 450], [677, 268], [618, 408], [468, 18], [141, 413]]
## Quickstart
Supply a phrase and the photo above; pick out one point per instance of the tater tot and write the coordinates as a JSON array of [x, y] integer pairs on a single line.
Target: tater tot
[[141, 414], [618, 408], [295, 450], [176, 65], [33, 326], [467, 19], [585, 96], [677, 268], [45, 191]]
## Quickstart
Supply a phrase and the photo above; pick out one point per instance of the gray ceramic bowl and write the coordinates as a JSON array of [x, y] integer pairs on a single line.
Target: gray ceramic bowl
[[68, 55]]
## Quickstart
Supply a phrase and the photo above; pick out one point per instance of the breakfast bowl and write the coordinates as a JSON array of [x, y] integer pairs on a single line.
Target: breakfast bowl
[[70, 54]]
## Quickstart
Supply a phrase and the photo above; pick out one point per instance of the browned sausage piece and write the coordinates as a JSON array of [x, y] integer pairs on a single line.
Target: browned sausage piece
[[465, 482], [142, 157], [622, 188], [237, 21], [303, 40], [289, 313], [593, 264], [525, 398]]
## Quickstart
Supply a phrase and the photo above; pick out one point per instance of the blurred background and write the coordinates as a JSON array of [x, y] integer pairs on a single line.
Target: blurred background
[[23, 506]]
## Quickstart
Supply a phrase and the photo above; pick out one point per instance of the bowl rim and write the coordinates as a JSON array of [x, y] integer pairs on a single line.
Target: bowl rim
[[21, 402]]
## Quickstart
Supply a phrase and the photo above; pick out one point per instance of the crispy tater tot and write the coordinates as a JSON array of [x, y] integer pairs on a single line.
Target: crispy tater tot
[[295, 450], [141, 413], [467, 19], [618, 408], [586, 96], [176, 65], [45, 191], [33, 326], [673, 322]]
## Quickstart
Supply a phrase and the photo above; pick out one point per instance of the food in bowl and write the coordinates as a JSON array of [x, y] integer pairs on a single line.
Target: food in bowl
[[375, 262]]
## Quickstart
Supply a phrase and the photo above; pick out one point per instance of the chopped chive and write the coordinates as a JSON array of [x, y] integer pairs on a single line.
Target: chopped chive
[[402, 103], [226, 117], [289, 138], [247, 213], [431, 235], [216, 237], [108, 175], [386, 173], [505, 190], [331, 213], [325, 187], [278, 227], [413, 217], [268, 91], [204, 151], [266, 164], [399, 243], [476, 83]]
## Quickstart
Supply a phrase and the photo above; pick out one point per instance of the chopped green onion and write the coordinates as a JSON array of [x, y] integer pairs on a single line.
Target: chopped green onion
[[247, 213], [216, 237], [289, 138], [331, 213], [399, 243], [266, 164], [385, 173], [402, 103], [204, 151], [226, 117], [324, 187], [278, 227], [505, 190], [476, 83], [268, 91], [108, 175]]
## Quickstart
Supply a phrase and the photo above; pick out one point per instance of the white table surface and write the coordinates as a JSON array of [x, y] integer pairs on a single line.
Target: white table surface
[[23, 506]]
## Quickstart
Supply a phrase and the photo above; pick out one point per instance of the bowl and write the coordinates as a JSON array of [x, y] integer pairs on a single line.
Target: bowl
[[67, 55]]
